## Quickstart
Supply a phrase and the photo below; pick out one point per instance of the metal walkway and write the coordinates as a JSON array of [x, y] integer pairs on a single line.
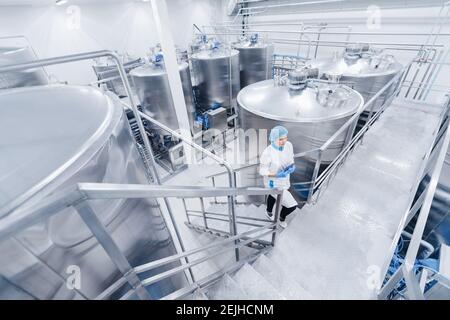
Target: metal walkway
[[337, 248]]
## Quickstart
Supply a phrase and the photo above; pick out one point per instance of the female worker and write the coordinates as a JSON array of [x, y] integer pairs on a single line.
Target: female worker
[[276, 165]]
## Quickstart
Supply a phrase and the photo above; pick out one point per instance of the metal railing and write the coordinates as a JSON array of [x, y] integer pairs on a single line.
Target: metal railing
[[78, 197], [422, 206]]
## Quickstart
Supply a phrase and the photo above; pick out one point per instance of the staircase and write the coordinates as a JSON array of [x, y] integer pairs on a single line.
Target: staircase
[[328, 249], [264, 279]]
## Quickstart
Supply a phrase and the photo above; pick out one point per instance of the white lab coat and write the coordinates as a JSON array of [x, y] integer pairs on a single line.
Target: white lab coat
[[273, 161]]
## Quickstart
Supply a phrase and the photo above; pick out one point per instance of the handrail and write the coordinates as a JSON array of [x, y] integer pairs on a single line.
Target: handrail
[[22, 218], [158, 263], [363, 108], [29, 46], [78, 196], [116, 191], [300, 154]]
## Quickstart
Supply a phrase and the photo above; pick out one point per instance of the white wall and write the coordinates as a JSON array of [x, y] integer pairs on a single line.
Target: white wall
[[405, 16], [125, 27]]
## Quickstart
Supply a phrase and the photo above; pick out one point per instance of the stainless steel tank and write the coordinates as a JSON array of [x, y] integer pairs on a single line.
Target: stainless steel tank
[[53, 137], [106, 70], [22, 78], [312, 112], [153, 90], [362, 68], [216, 74], [255, 59]]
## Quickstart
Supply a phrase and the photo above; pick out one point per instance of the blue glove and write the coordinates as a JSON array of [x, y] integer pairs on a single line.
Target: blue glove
[[282, 174], [290, 169]]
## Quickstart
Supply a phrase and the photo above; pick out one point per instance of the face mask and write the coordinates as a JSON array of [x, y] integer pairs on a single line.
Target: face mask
[[277, 147]]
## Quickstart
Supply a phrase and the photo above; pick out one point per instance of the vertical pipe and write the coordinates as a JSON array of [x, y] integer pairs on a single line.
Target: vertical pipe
[[186, 210], [315, 174], [202, 205], [214, 185]]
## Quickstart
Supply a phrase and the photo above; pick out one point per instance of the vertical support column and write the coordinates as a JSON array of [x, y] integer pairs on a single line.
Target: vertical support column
[[315, 174], [161, 16], [202, 205]]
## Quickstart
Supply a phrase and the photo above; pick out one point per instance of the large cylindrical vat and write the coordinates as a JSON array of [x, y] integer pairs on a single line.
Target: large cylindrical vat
[[255, 59], [216, 75], [153, 90], [54, 137], [22, 78], [364, 70], [312, 115]]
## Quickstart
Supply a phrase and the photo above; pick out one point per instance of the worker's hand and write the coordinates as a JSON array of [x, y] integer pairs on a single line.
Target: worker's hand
[[282, 174], [290, 169]]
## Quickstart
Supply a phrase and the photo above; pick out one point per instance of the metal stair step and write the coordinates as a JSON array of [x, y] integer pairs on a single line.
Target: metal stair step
[[198, 295], [255, 286], [226, 289], [278, 278]]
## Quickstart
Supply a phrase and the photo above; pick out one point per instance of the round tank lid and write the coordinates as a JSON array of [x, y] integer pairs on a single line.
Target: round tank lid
[[247, 44], [12, 50], [149, 70], [214, 54], [359, 67], [48, 130], [326, 102]]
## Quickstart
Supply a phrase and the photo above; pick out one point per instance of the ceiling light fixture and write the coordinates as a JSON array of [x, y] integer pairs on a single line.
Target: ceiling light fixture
[[60, 2]]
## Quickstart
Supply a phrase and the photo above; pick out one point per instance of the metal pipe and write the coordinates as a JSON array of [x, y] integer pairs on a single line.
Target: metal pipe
[[315, 174], [357, 42], [174, 271], [202, 205], [161, 262], [424, 243], [214, 185], [361, 33], [237, 217], [283, 5], [185, 209], [225, 220]]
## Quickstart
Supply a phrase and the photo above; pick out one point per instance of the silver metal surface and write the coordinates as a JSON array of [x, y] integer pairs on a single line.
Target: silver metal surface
[[255, 59], [152, 88], [55, 137], [107, 72], [311, 115], [217, 76], [366, 73], [22, 78]]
